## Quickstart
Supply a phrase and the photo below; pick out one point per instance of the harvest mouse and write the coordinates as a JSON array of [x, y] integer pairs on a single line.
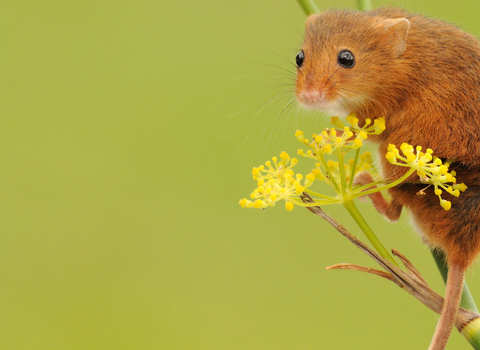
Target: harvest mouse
[[423, 76]]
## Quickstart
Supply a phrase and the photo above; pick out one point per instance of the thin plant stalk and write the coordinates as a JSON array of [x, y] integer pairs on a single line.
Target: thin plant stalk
[[352, 209], [341, 168], [330, 175], [467, 301], [364, 5], [309, 7], [354, 166]]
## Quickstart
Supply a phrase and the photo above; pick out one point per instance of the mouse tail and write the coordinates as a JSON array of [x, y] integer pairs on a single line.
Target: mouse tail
[[453, 294]]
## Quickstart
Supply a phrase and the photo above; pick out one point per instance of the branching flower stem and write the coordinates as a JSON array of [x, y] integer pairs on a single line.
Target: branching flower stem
[[354, 166], [341, 168], [381, 188]]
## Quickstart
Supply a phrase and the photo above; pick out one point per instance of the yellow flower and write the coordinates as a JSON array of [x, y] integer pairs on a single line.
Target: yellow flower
[[343, 138], [430, 169], [277, 182]]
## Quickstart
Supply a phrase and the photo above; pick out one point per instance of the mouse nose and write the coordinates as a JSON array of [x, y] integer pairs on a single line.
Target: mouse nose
[[312, 96]]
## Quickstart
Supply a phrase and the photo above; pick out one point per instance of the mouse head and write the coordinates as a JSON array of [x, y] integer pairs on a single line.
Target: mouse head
[[348, 59]]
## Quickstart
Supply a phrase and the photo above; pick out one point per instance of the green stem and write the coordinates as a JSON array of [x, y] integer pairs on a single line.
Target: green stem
[[467, 301], [471, 332], [352, 209], [361, 193], [309, 7], [354, 166], [329, 174], [319, 195], [341, 169], [364, 5]]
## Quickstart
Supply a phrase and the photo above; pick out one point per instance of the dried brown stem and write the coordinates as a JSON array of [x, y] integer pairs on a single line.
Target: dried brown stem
[[362, 269]]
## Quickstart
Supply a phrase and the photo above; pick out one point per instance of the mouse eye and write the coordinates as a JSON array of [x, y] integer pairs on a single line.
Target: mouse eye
[[300, 58], [346, 59]]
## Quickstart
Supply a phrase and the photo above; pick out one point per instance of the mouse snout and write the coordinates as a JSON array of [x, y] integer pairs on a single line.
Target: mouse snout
[[312, 96], [317, 93]]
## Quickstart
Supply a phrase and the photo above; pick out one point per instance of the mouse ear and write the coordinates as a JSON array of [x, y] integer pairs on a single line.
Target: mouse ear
[[397, 30]]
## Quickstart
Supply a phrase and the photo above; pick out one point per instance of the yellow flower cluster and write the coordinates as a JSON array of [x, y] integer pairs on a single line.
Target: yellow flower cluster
[[430, 169], [345, 137], [277, 181]]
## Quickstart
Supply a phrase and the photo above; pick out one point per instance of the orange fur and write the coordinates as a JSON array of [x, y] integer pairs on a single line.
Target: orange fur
[[423, 76]]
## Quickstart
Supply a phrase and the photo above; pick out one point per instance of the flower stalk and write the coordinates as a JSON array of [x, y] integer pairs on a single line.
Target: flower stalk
[[467, 301], [309, 7], [353, 210], [364, 5]]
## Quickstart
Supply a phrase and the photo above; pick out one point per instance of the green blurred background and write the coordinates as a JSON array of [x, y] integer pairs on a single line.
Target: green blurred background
[[128, 132]]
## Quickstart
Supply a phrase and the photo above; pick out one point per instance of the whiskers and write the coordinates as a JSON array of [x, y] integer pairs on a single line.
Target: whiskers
[[275, 125], [267, 104], [276, 107]]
